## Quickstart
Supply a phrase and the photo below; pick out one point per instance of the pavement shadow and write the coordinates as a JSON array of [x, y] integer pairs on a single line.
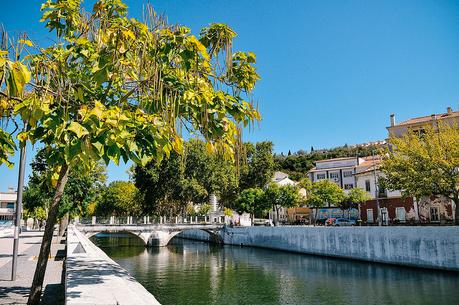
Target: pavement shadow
[[10, 255], [53, 294], [60, 255], [14, 293], [83, 275]]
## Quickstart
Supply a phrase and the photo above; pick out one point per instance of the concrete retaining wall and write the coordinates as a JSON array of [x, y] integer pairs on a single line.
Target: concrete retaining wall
[[427, 247], [94, 278]]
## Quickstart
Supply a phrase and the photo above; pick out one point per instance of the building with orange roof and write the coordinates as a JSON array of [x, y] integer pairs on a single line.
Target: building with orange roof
[[418, 124]]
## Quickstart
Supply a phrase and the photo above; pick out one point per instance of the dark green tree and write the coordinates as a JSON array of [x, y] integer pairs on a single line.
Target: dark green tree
[[82, 188], [277, 196], [252, 201], [257, 169], [119, 198], [169, 186]]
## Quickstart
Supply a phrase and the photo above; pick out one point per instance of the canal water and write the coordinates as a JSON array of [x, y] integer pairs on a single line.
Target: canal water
[[194, 273]]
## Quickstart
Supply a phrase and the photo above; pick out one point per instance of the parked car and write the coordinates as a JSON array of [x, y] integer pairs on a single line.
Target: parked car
[[262, 222], [339, 222]]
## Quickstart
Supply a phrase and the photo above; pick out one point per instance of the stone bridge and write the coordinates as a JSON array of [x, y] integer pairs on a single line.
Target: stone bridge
[[153, 235]]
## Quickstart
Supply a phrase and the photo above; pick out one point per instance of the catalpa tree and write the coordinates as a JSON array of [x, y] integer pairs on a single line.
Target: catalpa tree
[[115, 88]]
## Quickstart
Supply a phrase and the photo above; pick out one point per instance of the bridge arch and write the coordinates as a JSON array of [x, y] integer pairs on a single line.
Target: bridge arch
[[162, 238], [143, 237], [154, 235]]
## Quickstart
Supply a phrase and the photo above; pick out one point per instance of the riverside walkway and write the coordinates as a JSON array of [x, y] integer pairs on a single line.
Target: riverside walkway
[[16, 292], [94, 278]]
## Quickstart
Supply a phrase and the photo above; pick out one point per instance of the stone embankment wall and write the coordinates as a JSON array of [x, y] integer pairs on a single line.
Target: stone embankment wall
[[425, 247], [94, 278]]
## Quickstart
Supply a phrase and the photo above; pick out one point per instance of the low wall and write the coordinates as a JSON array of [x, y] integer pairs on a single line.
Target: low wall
[[94, 278], [426, 247]]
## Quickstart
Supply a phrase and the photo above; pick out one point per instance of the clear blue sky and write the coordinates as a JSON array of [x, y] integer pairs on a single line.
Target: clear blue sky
[[332, 71]]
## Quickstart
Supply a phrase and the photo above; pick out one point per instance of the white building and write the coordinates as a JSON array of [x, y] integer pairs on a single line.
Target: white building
[[7, 204], [339, 170], [282, 179], [368, 180]]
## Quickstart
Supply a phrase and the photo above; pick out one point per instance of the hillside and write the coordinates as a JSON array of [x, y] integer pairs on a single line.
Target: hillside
[[298, 164]]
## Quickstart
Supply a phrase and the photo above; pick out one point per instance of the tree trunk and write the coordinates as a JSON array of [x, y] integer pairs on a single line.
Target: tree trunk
[[456, 211], [37, 284], [63, 223]]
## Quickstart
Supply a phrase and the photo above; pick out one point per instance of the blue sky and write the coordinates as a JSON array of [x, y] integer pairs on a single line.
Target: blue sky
[[332, 71]]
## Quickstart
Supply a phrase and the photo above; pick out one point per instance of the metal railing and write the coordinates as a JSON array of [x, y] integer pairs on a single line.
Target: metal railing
[[147, 220]]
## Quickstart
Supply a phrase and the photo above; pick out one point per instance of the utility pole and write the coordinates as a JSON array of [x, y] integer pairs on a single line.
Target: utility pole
[[376, 191], [18, 212]]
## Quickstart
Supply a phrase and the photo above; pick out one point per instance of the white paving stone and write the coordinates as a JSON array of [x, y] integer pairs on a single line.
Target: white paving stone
[[94, 278]]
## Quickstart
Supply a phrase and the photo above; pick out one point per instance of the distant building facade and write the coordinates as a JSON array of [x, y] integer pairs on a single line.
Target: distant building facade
[[339, 170], [418, 124], [7, 204]]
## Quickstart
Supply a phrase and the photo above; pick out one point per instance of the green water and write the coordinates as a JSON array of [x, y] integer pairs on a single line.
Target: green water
[[195, 273]]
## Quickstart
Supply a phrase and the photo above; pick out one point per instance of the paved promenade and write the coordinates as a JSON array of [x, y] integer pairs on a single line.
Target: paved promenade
[[17, 292], [94, 278]]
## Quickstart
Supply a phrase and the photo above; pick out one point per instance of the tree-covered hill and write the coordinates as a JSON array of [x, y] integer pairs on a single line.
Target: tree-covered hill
[[298, 164]]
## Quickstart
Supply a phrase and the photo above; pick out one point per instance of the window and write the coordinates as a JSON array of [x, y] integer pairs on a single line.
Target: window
[[320, 176], [334, 175], [10, 205], [400, 214], [348, 186], [370, 215], [367, 186], [347, 173], [434, 214]]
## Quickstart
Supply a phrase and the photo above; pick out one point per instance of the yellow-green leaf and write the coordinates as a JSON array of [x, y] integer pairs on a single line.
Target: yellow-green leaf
[[26, 42], [23, 136], [78, 129]]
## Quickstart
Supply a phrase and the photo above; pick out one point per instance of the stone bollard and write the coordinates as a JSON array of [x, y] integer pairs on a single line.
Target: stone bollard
[[93, 220]]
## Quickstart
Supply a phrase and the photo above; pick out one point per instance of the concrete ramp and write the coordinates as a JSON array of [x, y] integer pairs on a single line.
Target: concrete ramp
[[94, 278]]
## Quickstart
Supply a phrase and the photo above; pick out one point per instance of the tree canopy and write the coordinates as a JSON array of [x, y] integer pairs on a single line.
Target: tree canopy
[[169, 186], [119, 198], [253, 201], [256, 165], [112, 87], [82, 190], [424, 164], [325, 192], [353, 198]]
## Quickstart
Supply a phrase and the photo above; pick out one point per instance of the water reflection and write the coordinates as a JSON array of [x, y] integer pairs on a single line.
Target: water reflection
[[188, 272]]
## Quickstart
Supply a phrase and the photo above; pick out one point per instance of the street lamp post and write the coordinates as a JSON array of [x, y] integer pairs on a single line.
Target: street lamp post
[[18, 212], [378, 212]]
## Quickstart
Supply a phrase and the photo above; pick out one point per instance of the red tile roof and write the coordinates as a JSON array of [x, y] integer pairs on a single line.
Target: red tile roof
[[428, 118]]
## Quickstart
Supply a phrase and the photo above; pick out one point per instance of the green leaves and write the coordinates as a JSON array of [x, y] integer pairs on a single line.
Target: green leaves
[[7, 148], [325, 192], [18, 75], [78, 129], [116, 88], [424, 164]]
